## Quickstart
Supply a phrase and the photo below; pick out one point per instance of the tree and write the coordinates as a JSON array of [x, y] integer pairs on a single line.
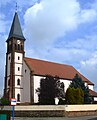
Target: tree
[[74, 96], [46, 91], [77, 82], [59, 88], [4, 101], [50, 87]]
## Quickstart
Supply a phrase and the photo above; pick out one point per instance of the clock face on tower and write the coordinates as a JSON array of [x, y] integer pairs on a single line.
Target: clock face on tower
[[18, 41]]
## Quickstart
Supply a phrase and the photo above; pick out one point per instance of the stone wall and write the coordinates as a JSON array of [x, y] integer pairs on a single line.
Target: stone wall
[[81, 113], [51, 111], [39, 114]]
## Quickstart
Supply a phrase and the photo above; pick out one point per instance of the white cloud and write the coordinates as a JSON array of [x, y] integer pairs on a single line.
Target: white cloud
[[89, 68], [74, 51], [87, 42], [64, 54], [88, 15], [49, 20], [71, 51]]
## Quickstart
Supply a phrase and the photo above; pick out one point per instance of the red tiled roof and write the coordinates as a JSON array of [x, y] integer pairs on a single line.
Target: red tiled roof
[[40, 67], [93, 93]]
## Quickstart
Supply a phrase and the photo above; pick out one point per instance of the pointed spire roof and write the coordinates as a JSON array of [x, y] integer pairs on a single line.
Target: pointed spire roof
[[16, 30]]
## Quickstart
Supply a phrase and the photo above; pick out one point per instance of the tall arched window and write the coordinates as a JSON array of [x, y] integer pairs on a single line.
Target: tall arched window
[[18, 68], [18, 97], [18, 58], [18, 81]]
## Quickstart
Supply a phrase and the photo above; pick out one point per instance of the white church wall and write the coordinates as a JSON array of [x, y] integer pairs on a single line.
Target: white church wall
[[66, 83], [86, 84], [18, 75], [36, 85], [91, 87], [18, 69], [18, 57], [18, 63], [26, 83], [16, 81], [95, 98], [19, 91]]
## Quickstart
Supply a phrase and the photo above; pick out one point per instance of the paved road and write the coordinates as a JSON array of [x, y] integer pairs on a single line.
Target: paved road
[[58, 118]]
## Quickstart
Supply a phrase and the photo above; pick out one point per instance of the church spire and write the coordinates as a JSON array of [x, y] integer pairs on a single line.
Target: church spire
[[16, 30]]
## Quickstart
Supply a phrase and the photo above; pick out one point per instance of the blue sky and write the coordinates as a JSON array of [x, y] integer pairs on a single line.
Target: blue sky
[[63, 31]]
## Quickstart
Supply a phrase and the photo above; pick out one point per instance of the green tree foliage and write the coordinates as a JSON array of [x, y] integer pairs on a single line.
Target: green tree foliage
[[4, 101], [50, 87], [77, 82], [74, 96]]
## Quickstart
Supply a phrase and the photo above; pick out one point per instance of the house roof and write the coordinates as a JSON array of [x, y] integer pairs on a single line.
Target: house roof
[[93, 93], [41, 67], [16, 30]]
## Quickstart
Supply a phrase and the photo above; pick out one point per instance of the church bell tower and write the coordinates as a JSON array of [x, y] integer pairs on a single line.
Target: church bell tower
[[14, 61]]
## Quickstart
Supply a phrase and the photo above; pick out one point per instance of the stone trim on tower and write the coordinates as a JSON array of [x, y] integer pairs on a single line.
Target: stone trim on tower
[[14, 59]]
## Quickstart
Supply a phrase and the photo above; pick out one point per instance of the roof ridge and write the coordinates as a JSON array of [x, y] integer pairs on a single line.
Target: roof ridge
[[49, 61]]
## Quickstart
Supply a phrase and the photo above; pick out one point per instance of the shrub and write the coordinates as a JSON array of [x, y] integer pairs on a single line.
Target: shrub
[[74, 96], [4, 101]]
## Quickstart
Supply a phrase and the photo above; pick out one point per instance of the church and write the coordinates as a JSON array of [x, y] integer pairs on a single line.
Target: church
[[23, 74]]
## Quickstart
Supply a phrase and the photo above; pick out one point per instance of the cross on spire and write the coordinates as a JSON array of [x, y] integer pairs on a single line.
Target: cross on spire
[[16, 7]]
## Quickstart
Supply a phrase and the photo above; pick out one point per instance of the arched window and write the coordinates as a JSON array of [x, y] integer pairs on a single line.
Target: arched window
[[18, 97], [18, 81], [25, 70], [18, 68], [18, 58]]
